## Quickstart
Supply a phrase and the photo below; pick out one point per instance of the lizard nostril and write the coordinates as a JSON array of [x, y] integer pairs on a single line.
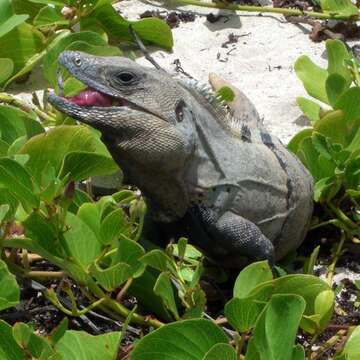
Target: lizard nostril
[[77, 61]]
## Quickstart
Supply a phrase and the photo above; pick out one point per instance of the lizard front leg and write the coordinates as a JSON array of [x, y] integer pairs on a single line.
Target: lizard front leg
[[229, 237]]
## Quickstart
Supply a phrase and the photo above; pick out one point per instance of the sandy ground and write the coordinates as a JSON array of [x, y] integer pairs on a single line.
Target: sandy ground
[[261, 63]]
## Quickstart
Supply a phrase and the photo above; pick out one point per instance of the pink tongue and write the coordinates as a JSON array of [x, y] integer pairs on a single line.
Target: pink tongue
[[91, 97]]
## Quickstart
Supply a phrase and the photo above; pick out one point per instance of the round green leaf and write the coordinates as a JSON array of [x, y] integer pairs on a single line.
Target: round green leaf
[[272, 340], [59, 142], [221, 351], [352, 347], [75, 345], [9, 349], [313, 78], [250, 277], [9, 289], [6, 69], [183, 340]]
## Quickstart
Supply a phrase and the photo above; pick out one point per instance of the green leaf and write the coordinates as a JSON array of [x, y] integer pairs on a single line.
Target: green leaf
[[82, 165], [326, 188], [125, 264], [250, 277], [90, 214], [73, 87], [243, 313], [185, 340], [8, 199], [59, 331], [333, 126], [270, 340], [15, 123], [350, 105], [4, 209], [337, 54], [355, 142], [9, 349], [221, 351], [351, 349], [342, 7], [335, 87], [80, 197], [6, 69], [50, 60], [35, 345], [306, 286], [142, 288], [158, 260], [9, 20], [9, 289], [164, 288], [26, 7], [318, 165], [112, 226], [298, 353], [50, 16], [310, 108], [295, 143], [150, 30], [324, 306], [53, 2], [17, 180], [29, 44], [44, 233], [310, 263], [78, 343], [313, 78], [56, 144], [130, 252], [226, 93], [80, 240], [352, 174]]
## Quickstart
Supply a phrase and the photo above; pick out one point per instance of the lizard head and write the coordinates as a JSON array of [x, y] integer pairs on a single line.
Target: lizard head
[[116, 86]]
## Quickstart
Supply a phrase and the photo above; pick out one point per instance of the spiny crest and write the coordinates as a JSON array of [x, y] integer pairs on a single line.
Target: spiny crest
[[218, 106], [208, 94]]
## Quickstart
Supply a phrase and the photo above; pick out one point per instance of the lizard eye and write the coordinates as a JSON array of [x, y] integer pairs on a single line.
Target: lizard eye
[[125, 77], [77, 61]]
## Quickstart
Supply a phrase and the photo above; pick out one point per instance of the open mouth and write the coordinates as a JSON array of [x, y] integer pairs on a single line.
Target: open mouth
[[92, 97], [89, 97]]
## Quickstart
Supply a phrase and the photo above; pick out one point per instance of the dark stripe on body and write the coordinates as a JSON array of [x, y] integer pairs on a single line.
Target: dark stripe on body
[[268, 142], [245, 133]]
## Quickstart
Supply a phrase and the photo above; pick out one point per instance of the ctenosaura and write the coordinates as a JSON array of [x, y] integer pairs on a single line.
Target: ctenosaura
[[206, 171]]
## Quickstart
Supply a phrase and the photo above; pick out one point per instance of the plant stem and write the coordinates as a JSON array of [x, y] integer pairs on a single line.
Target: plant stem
[[261, 9], [334, 222], [44, 274], [312, 342], [331, 268], [77, 273], [123, 290], [11, 100], [240, 345], [342, 217], [329, 343]]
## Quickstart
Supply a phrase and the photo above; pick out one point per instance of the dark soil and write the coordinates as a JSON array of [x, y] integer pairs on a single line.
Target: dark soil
[[34, 308], [173, 18]]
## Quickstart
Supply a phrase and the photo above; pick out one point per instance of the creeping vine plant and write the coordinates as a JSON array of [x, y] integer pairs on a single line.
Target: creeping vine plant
[[48, 212]]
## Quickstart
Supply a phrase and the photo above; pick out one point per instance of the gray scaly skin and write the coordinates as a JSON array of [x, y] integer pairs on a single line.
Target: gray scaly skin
[[214, 175]]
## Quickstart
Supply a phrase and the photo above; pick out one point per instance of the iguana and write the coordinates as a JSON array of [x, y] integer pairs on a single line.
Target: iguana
[[212, 174]]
